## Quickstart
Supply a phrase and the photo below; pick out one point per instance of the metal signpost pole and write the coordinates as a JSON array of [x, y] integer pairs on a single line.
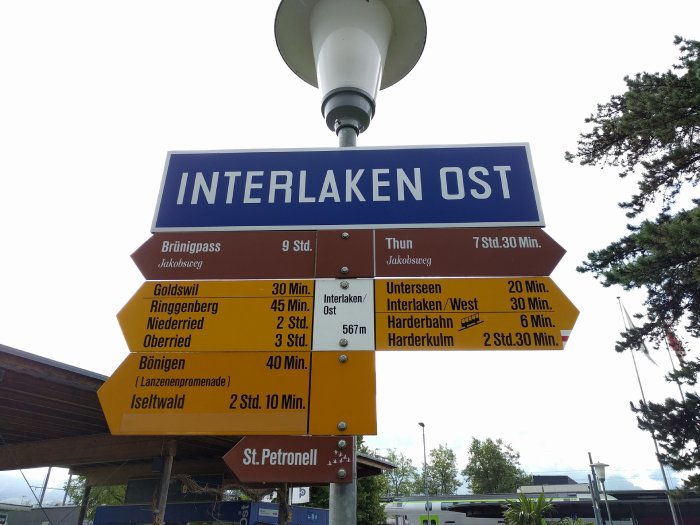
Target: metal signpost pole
[[343, 496], [425, 475], [349, 50]]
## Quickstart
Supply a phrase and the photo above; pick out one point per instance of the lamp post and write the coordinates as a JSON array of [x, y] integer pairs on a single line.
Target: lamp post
[[599, 469], [350, 50], [425, 475], [595, 495], [595, 500]]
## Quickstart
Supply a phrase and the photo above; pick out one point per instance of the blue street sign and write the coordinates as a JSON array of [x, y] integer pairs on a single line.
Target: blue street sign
[[417, 187]]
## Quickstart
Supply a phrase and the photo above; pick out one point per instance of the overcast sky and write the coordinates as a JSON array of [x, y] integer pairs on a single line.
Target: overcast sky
[[94, 94]]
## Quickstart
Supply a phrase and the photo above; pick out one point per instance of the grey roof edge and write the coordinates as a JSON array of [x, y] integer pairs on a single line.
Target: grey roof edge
[[4, 349]]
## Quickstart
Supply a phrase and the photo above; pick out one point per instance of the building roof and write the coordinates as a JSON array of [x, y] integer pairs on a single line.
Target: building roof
[[51, 416]]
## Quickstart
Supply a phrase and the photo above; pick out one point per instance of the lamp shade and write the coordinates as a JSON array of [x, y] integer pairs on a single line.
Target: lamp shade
[[599, 469], [350, 49], [350, 40]]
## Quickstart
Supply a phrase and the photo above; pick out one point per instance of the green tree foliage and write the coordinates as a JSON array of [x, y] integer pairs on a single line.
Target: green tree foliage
[[493, 467], [675, 424], [370, 510], [402, 480], [652, 132], [319, 497], [662, 256], [108, 495], [526, 511], [442, 471]]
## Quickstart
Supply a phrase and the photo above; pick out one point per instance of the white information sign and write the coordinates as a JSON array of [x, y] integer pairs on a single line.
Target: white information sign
[[343, 315]]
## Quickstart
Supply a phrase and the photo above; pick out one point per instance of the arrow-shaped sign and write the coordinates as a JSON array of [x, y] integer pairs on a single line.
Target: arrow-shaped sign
[[239, 393], [219, 315], [227, 255], [292, 459], [208, 393], [408, 252], [472, 314], [465, 252]]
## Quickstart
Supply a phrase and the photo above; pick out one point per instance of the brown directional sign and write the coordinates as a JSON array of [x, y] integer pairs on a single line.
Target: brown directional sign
[[228, 255], [465, 252], [434, 252], [292, 459]]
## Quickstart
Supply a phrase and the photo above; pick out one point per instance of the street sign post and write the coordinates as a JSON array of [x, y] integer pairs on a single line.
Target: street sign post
[[262, 315], [292, 459], [237, 274], [483, 185], [513, 313]]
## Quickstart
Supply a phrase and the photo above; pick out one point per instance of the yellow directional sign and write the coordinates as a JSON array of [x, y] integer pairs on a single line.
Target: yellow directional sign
[[241, 393], [256, 315], [343, 391], [232, 393], [514, 313]]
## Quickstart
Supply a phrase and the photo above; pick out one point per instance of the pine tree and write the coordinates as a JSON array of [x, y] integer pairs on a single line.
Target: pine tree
[[652, 132]]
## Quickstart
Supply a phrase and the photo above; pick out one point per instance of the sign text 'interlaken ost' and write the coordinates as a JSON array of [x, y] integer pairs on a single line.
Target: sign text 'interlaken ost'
[[483, 185]]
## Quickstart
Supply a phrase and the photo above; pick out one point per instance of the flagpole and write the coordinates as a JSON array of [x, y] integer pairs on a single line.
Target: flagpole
[[673, 366], [625, 319]]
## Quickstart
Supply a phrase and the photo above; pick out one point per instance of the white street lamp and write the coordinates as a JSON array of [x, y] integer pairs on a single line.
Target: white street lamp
[[425, 476], [599, 469], [350, 49]]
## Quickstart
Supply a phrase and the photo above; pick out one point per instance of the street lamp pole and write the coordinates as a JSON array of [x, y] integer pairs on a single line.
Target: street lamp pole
[[599, 469], [595, 495], [425, 475], [594, 499], [349, 50]]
